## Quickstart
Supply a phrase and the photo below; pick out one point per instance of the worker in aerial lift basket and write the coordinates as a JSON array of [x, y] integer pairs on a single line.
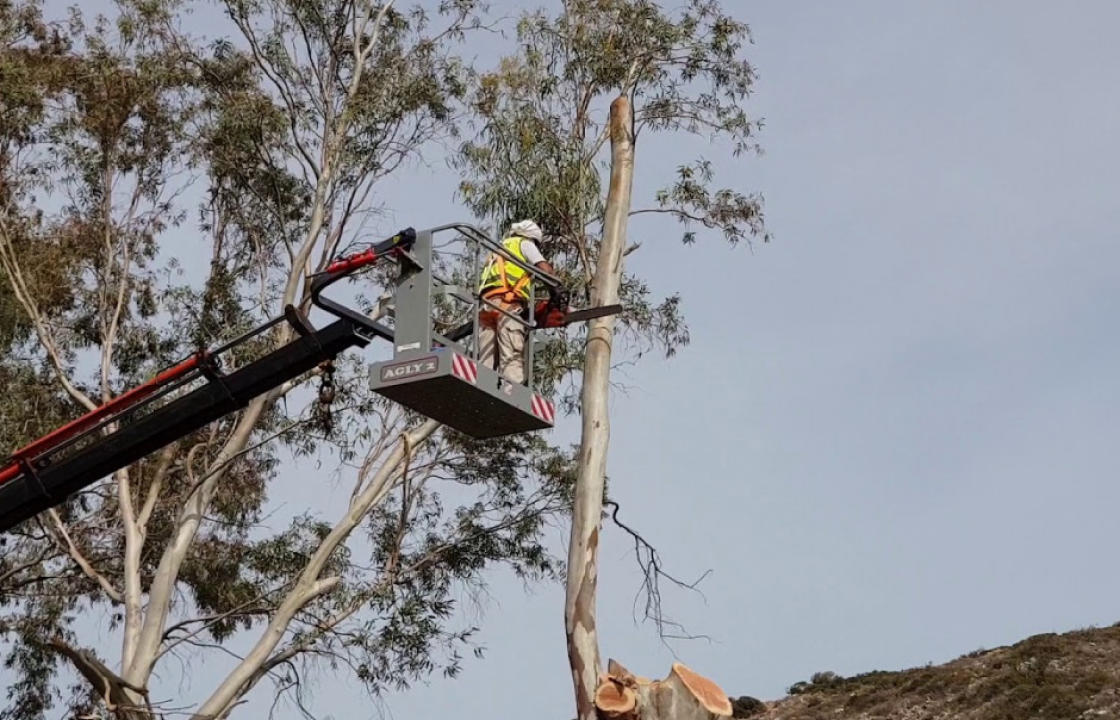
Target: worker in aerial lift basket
[[501, 340]]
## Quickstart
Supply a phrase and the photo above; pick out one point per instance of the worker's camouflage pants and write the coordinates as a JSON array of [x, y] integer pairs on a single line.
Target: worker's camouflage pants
[[503, 348]]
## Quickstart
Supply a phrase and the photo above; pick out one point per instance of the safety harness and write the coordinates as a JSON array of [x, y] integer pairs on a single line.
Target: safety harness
[[496, 281]]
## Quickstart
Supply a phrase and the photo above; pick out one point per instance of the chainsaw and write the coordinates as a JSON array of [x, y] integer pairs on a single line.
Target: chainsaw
[[555, 312], [551, 313]]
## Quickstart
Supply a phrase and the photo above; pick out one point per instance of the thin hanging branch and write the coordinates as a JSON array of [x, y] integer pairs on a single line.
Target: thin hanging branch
[[653, 572]]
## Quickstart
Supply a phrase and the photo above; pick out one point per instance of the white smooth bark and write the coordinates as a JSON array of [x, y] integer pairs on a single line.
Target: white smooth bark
[[583, 550], [146, 644], [310, 585], [163, 584]]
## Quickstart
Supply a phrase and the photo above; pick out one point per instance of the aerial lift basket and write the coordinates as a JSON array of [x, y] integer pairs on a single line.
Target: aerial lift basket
[[440, 376]]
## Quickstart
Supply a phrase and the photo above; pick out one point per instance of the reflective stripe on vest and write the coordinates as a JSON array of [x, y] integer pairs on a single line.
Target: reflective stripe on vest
[[501, 277]]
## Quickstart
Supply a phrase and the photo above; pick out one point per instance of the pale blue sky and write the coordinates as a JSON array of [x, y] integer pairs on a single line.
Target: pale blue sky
[[894, 435], [893, 438]]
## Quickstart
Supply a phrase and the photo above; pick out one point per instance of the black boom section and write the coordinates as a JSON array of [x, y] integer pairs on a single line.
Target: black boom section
[[50, 482]]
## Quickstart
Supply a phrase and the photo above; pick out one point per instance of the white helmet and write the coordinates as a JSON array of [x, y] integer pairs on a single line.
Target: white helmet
[[526, 229]]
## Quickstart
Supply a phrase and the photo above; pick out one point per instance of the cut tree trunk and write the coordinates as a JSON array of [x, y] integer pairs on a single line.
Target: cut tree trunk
[[587, 510], [683, 695]]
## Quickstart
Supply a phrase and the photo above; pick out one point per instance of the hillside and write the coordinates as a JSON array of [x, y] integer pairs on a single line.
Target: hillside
[[1069, 676]]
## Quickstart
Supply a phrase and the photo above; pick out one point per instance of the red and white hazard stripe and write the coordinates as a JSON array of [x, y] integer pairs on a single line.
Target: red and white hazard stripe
[[464, 368], [543, 408]]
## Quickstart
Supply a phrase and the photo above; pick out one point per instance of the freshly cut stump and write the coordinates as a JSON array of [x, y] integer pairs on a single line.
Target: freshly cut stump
[[683, 695], [614, 700]]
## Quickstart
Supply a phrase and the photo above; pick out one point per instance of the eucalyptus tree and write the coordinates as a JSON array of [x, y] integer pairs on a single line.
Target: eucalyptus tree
[[124, 139], [542, 136]]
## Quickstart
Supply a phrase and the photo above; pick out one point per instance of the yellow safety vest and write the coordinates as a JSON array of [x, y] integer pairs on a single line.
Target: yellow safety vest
[[506, 279]]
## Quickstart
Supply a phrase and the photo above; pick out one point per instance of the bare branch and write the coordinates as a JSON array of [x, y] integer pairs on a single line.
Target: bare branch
[[80, 559], [109, 337], [288, 98], [650, 563], [309, 586], [133, 544], [166, 459], [190, 518], [14, 570], [116, 692], [207, 622], [675, 212], [20, 289]]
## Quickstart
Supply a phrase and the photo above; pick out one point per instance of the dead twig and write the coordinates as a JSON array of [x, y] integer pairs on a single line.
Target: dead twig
[[650, 563]]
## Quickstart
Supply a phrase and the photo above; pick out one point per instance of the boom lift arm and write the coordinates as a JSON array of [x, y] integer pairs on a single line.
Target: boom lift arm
[[43, 473], [436, 375]]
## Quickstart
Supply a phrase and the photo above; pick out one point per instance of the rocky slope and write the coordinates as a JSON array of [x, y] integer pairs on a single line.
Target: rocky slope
[[1072, 676]]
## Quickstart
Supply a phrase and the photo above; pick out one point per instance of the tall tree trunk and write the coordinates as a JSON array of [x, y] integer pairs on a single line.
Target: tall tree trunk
[[310, 583], [583, 551]]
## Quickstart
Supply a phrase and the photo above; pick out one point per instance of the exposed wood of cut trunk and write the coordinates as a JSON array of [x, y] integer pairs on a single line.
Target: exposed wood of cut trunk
[[683, 695]]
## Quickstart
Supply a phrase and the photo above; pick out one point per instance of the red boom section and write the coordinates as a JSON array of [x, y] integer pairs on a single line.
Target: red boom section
[[394, 246], [116, 405], [8, 473], [352, 262]]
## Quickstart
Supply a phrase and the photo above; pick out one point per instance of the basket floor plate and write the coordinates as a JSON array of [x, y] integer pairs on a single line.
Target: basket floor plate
[[462, 406]]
